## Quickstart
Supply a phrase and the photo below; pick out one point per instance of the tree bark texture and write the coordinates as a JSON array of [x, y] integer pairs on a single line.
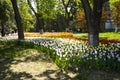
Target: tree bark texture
[[2, 29], [18, 20], [93, 17]]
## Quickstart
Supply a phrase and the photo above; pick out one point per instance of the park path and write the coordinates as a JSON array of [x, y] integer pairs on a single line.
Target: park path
[[36, 66]]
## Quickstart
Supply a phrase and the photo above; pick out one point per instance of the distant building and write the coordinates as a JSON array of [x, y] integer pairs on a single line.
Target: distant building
[[109, 26]]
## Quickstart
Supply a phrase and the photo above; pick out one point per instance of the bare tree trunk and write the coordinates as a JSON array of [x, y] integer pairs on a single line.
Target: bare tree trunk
[[39, 23], [2, 29], [18, 20], [93, 18], [67, 13]]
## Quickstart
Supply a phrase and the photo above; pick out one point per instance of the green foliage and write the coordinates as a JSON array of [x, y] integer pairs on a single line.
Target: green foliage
[[61, 23], [116, 14], [4, 11], [46, 8], [6, 15], [112, 2], [27, 17]]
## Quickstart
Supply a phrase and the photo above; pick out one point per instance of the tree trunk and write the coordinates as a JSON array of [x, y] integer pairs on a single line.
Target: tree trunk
[[93, 38], [39, 20], [39, 23], [93, 18], [2, 29], [67, 13], [18, 20]]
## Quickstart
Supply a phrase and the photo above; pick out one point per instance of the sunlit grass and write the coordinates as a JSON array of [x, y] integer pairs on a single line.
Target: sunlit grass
[[110, 35], [106, 35], [12, 49], [81, 35]]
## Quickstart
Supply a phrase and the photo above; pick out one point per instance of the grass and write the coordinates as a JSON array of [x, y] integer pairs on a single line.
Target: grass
[[13, 49], [81, 35], [110, 35], [25, 61], [106, 35]]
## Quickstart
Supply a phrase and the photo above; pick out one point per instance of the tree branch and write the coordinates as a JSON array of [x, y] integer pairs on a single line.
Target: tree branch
[[65, 5], [87, 9], [30, 5]]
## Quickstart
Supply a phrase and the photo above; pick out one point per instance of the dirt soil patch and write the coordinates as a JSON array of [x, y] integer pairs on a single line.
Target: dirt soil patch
[[36, 66]]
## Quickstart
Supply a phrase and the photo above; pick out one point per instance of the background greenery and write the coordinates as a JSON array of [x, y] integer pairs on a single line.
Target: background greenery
[[53, 15]]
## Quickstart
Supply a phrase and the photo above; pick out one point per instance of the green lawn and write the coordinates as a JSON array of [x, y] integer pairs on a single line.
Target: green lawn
[[106, 35]]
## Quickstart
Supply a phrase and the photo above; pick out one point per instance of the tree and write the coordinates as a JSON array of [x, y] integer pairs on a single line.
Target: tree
[[6, 17], [116, 14], [70, 8], [48, 10], [44, 12], [67, 10], [26, 15], [93, 17], [38, 16], [3, 16], [80, 22], [18, 20]]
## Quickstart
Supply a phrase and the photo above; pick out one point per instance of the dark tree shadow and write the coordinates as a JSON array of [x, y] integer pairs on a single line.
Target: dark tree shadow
[[7, 54], [7, 74], [90, 74], [58, 75]]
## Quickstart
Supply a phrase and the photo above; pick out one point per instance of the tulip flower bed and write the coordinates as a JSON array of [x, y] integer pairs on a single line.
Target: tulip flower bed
[[73, 36], [48, 34], [75, 54]]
